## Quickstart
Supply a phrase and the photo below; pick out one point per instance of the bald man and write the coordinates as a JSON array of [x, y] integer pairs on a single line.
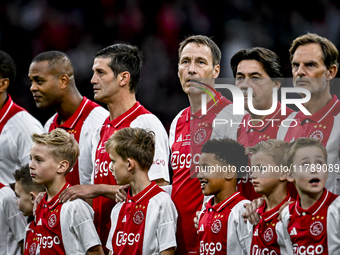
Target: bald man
[[53, 86]]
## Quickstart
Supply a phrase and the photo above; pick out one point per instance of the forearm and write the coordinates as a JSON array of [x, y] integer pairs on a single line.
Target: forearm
[[108, 191], [96, 250], [169, 251]]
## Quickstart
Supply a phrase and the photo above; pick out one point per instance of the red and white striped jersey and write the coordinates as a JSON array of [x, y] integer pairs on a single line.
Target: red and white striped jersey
[[315, 230], [144, 223], [16, 128], [82, 125], [12, 222], [65, 228], [221, 228], [136, 116], [265, 239], [324, 126], [188, 133]]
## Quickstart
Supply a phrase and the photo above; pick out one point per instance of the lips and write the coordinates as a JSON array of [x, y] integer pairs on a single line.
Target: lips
[[203, 184], [314, 181]]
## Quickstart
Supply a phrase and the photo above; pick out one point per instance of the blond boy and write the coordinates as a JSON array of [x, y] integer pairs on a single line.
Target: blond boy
[[61, 228]]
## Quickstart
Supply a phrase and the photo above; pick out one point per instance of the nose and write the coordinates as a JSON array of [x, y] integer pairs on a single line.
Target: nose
[[192, 68], [200, 174], [253, 173], [300, 71], [244, 84], [33, 87], [94, 79]]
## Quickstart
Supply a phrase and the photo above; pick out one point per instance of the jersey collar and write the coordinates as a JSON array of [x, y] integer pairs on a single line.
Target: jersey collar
[[271, 214], [55, 200], [141, 195], [315, 207], [319, 115], [69, 124], [219, 207], [6, 108], [120, 119]]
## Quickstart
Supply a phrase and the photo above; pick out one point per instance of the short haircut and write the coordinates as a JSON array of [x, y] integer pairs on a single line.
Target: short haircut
[[58, 62], [270, 61], [61, 145], [124, 57], [227, 152], [7, 66], [302, 142], [274, 148], [135, 143], [202, 40], [329, 51], [23, 176]]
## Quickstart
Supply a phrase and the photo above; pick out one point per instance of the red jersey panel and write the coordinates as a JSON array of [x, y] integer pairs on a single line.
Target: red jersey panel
[[217, 232], [188, 133], [31, 239], [74, 126], [308, 228], [265, 239], [250, 135]]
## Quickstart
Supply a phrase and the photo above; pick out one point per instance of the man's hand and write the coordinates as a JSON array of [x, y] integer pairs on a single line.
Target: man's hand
[[251, 214], [37, 201], [77, 191], [196, 220], [121, 194]]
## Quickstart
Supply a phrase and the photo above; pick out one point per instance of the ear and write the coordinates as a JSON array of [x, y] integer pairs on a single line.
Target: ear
[[231, 173], [283, 176], [131, 164], [290, 177], [4, 83], [124, 78], [33, 196], [63, 81], [331, 72], [216, 71], [277, 84], [63, 167]]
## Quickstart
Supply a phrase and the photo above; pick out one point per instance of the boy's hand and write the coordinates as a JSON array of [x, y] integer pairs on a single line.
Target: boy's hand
[[121, 193], [77, 191], [37, 201], [251, 214]]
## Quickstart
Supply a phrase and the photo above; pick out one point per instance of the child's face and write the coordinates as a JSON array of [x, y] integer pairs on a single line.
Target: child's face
[[211, 175], [43, 166], [119, 167], [24, 200], [306, 180], [264, 177]]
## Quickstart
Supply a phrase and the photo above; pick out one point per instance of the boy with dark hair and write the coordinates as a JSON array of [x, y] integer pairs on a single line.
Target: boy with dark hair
[[269, 179], [26, 191], [311, 224], [146, 222], [221, 228], [61, 228]]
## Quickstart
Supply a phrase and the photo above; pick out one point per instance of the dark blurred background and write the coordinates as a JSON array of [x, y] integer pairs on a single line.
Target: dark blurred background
[[81, 28]]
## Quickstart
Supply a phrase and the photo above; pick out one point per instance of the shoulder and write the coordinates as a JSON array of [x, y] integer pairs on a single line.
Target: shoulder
[[24, 122], [7, 195]]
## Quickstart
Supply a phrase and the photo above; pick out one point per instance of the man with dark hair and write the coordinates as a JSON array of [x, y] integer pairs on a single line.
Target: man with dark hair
[[116, 72], [314, 62], [258, 69], [198, 67], [53, 86], [16, 125]]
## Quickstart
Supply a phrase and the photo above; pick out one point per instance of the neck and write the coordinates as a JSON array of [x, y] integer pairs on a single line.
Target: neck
[[318, 101], [255, 119], [69, 105], [196, 102], [307, 200], [54, 188], [275, 197], [3, 98], [224, 194], [121, 104], [139, 182]]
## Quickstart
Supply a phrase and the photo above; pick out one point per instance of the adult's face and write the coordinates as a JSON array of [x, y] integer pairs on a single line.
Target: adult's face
[[250, 73], [45, 85], [196, 64]]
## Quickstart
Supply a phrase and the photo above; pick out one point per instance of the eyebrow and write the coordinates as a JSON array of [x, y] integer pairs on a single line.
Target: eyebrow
[[251, 74]]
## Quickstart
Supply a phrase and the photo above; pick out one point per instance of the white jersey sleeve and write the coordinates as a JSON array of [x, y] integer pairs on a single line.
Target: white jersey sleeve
[[333, 223], [283, 239], [114, 219], [77, 228], [12, 223], [225, 124], [159, 168], [240, 234], [173, 128], [16, 143]]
